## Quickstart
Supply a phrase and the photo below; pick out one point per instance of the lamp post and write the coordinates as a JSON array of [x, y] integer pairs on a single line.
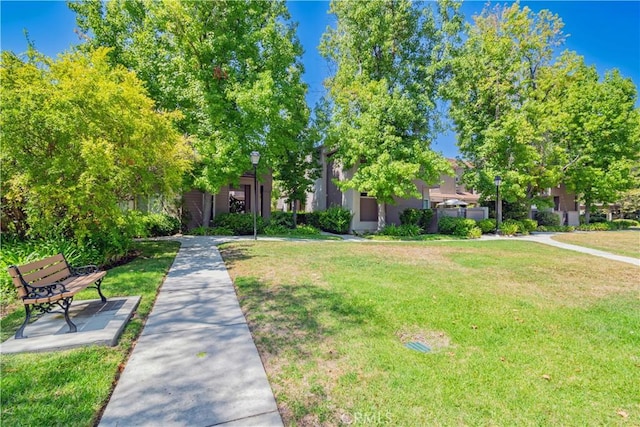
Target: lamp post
[[498, 181], [255, 158]]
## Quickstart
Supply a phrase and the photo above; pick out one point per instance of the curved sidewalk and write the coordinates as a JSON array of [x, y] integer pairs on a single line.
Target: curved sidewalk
[[546, 239], [195, 363]]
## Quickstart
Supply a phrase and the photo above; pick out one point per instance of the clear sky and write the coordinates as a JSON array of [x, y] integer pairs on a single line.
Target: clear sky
[[606, 33]]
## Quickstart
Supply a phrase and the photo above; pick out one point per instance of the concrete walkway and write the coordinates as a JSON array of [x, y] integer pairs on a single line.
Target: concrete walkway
[[546, 239], [195, 363]]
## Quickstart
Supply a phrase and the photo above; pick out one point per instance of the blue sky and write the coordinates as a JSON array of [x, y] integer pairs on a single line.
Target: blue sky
[[606, 33]]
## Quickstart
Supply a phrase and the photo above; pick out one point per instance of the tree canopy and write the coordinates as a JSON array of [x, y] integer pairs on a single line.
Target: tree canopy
[[79, 138], [535, 118], [389, 58], [232, 67]]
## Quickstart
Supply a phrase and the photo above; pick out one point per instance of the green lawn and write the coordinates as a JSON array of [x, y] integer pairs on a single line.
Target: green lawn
[[521, 333], [626, 243], [69, 388]]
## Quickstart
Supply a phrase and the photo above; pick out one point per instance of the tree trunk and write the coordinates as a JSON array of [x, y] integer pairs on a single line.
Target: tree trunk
[[206, 209], [587, 211], [295, 214], [382, 215]]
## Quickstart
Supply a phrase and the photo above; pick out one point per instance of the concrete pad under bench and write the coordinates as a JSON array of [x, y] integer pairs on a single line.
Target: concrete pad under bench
[[98, 323]]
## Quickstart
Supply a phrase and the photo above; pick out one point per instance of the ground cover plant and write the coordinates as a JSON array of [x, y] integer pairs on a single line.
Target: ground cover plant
[[520, 333], [626, 243], [70, 387]]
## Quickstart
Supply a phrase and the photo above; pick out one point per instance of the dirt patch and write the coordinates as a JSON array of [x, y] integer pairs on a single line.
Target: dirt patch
[[435, 340]]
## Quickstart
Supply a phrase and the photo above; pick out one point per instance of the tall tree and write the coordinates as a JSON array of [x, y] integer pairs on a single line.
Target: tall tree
[[390, 58], [232, 67], [599, 131], [80, 137], [501, 105]]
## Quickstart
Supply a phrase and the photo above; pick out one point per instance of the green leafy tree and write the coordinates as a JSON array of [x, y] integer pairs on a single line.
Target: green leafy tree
[[390, 58], [232, 67], [79, 137], [502, 102], [599, 129]]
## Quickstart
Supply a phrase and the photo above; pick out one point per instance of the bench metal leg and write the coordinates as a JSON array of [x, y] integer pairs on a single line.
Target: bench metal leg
[[65, 304], [19, 335], [102, 297]]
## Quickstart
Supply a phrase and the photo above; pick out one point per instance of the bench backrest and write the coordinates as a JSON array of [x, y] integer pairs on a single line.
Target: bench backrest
[[45, 271]]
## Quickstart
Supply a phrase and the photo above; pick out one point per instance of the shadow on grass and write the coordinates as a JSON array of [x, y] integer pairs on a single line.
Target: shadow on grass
[[292, 317]]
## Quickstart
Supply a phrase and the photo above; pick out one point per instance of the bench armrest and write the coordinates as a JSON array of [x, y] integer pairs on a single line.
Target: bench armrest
[[44, 291], [84, 270]]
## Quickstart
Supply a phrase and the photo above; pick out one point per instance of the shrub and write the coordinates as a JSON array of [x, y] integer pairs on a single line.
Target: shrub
[[238, 223], [161, 224], [510, 227], [556, 228], [626, 223], [487, 225], [547, 218], [529, 224], [404, 230], [310, 218], [276, 230], [419, 217], [306, 230], [335, 220], [461, 227], [284, 219], [595, 217]]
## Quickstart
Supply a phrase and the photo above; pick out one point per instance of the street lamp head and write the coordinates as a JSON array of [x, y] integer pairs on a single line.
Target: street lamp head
[[497, 180], [255, 158]]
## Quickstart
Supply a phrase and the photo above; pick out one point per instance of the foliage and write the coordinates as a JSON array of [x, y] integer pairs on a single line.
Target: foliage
[[600, 135], [390, 58], [630, 204], [535, 120], [459, 226], [284, 219], [239, 224], [235, 71], [419, 217], [152, 224], [301, 231], [310, 218], [620, 224], [529, 224], [627, 223], [487, 225], [594, 217], [547, 218], [556, 228], [500, 101], [336, 219], [404, 230], [79, 138], [511, 227]]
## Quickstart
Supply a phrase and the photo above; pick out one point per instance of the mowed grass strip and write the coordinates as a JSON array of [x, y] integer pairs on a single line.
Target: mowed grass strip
[[69, 388], [520, 333], [624, 242]]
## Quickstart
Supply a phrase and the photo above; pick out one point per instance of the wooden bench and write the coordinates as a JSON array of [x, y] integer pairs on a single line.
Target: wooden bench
[[49, 282]]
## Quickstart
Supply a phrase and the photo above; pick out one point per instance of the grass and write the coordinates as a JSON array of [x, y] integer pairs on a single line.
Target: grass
[[521, 333], [70, 387], [626, 243]]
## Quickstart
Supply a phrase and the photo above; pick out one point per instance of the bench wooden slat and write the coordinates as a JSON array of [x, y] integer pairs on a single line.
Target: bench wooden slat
[[51, 273], [51, 278], [37, 265]]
